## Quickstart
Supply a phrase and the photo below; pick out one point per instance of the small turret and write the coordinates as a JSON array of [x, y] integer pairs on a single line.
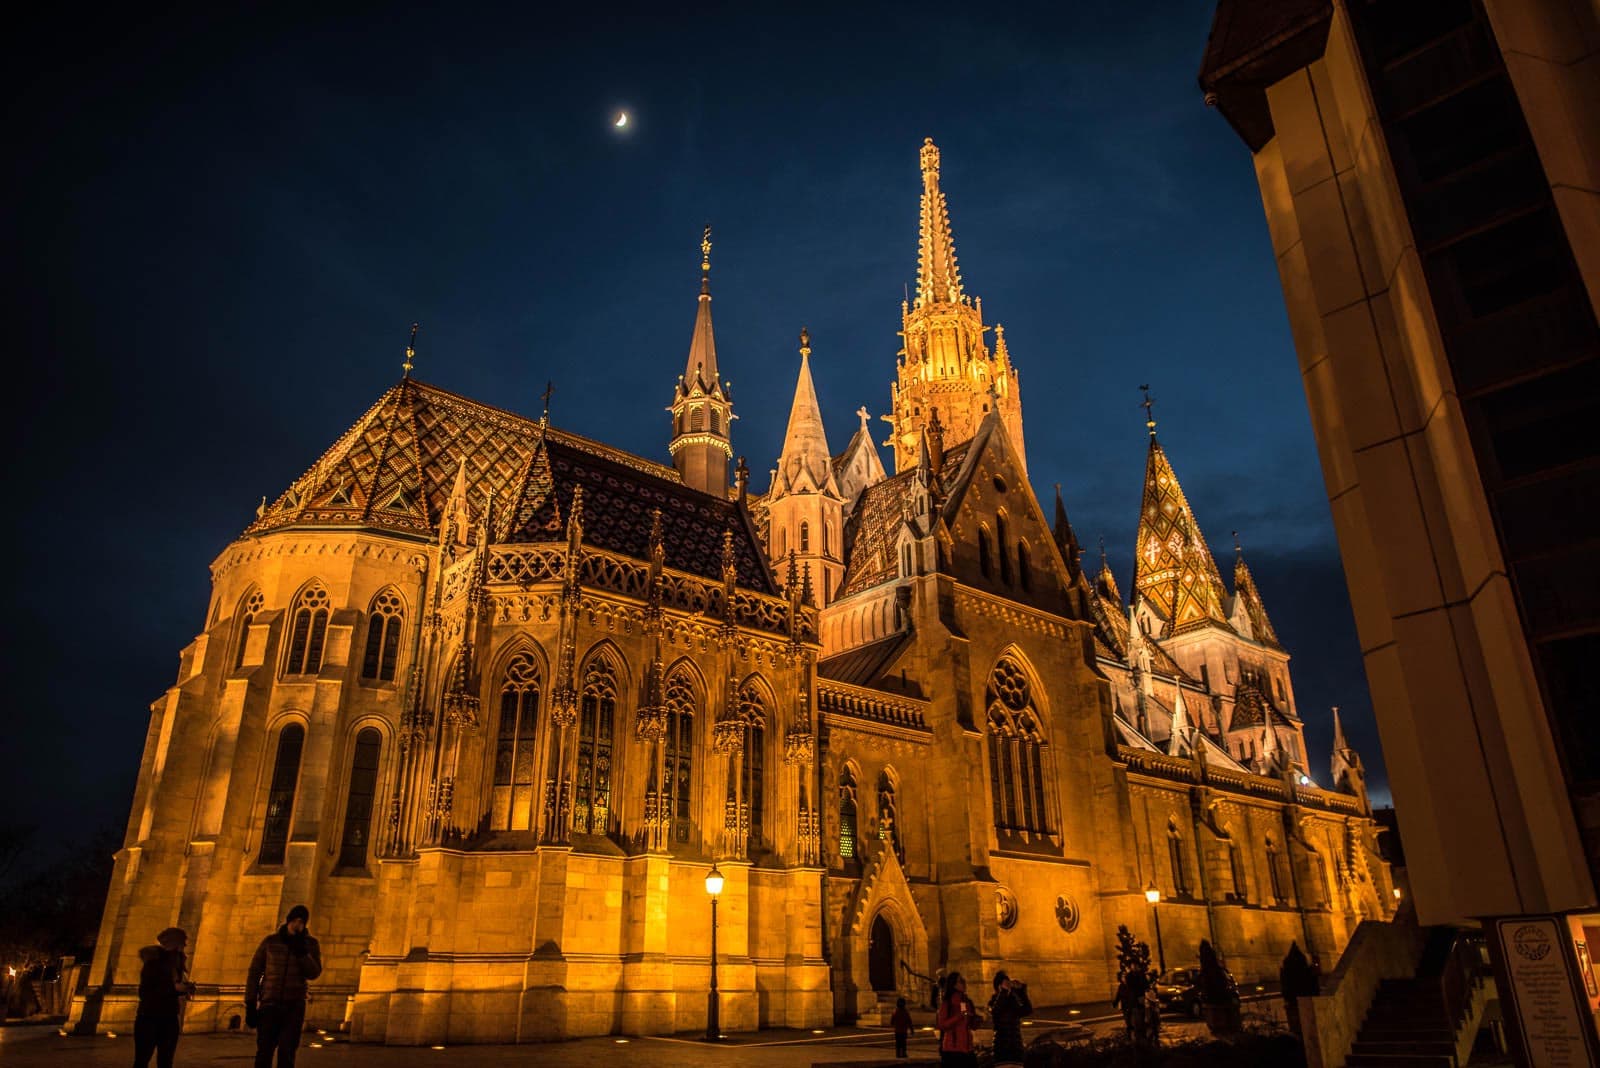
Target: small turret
[[805, 508]]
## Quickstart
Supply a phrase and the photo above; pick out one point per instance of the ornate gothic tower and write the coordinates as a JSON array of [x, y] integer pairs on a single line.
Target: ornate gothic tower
[[702, 408], [805, 503], [944, 363]]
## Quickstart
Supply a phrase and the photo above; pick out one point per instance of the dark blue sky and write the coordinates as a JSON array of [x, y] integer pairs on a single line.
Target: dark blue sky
[[228, 222]]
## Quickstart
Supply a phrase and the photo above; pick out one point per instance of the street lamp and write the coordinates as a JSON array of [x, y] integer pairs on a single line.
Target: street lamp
[[1153, 896], [713, 1024]]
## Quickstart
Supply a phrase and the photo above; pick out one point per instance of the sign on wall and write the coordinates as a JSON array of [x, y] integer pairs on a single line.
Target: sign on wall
[[1546, 1012]]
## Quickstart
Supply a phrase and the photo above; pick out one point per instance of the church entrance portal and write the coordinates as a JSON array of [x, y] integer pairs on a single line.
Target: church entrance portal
[[881, 955]]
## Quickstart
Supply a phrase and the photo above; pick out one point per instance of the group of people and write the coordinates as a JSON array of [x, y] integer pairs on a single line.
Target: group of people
[[274, 992], [958, 1017], [1140, 1005]]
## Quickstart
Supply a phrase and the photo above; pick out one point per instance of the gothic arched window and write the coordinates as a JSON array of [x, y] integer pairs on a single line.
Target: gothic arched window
[[905, 559], [383, 637], [511, 805], [984, 563], [280, 795], [753, 714], [847, 813], [677, 779], [252, 607], [1024, 565], [308, 632], [1175, 855], [805, 536], [1017, 765], [1000, 546], [358, 803], [716, 421], [697, 418], [597, 716]]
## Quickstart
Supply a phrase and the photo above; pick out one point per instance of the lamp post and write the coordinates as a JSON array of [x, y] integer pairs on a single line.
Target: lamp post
[[1153, 896], [713, 1023]]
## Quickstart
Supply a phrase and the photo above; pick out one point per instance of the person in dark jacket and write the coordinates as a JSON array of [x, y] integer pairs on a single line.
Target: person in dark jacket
[[163, 984], [901, 1022], [275, 991], [1006, 1010]]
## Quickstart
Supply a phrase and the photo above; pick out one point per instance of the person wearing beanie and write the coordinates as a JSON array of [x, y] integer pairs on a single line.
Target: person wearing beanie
[[275, 991], [163, 984], [1006, 1010]]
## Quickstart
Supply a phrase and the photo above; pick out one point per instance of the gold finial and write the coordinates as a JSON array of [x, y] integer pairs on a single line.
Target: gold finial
[[411, 351], [1149, 411], [930, 158], [549, 388], [705, 251], [1237, 551], [805, 342]]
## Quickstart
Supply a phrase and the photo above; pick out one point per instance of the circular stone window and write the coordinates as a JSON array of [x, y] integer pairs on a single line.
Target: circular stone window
[[1005, 904], [999, 484]]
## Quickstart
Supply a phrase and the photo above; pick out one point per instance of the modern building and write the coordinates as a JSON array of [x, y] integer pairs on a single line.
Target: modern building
[[493, 698], [1431, 177]]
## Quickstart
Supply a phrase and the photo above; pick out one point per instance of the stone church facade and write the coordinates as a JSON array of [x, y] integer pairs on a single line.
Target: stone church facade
[[492, 698]]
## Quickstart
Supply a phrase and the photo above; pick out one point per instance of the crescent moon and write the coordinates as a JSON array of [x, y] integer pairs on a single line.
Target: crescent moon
[[622, 120]]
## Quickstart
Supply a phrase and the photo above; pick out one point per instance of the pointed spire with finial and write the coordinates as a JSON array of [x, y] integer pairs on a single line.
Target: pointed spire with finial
[[1149, 406], [411, 352], [1249, 611], [703, 343], [938, 277], [549, 388], [805, 465], [702, 403], [1181, 729], [1105, 582]]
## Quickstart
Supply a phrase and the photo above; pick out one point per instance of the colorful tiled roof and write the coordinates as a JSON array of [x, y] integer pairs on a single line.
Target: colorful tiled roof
[[876, 523], [394, 470]]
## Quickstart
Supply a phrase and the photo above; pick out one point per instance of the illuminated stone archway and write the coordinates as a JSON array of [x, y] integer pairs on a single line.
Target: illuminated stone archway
[[884, 902]]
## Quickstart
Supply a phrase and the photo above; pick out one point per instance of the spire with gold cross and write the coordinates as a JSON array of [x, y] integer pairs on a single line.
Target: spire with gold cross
[[1173, 568], [702, 404], [944, 360]]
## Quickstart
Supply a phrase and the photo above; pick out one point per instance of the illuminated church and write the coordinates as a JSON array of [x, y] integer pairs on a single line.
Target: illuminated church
[[492, 698]]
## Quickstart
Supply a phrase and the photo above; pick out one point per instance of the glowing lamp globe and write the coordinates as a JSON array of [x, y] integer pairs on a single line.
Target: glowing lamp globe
[[1152, 895], [714, 881]]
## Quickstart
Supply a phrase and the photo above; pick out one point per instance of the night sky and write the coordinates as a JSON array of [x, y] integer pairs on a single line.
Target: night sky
[[223, 225]]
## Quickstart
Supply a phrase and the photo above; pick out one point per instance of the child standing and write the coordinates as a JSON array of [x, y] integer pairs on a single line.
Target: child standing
[[901, 1022]]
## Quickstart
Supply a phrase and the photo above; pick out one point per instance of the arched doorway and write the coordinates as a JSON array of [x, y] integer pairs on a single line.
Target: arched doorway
[[881, 955]]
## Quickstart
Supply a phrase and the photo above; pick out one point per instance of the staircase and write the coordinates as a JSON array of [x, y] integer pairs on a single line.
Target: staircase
[[1420, 1022], [1407, 1027]]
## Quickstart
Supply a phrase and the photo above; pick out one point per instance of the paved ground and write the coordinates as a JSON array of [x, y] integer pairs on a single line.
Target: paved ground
[[26, 1046]]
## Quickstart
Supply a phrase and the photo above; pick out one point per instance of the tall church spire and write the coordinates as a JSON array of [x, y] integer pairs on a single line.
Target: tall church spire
[[938, 277], [943, 360], [1173, 569], [702, 407]]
